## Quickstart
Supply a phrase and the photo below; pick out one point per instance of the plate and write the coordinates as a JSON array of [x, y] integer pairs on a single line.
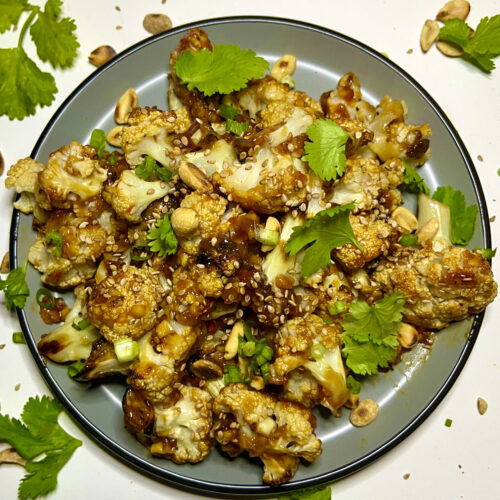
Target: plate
[[406, 395]]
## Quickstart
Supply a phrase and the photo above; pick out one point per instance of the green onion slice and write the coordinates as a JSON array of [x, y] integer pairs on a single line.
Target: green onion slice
[[232, 375], [126, 350], [318, 351], [18, 338], [81, 325], [45, 299], [75, 368]]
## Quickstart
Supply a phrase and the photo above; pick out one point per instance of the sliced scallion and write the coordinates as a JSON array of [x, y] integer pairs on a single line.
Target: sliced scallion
[[126, 350], [45, 299]]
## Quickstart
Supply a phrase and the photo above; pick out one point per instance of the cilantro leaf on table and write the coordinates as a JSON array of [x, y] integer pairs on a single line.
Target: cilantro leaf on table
[[15, 287], [162, 238], [54, 38], [39, 433], [327, 230], [482, 47], [225, 69], [463, 217], [10, 12], [325, 150], [370, 333], [412, 182], [317, 493]]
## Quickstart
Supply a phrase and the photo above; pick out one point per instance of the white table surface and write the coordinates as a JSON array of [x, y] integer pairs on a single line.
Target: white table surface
[[445, 463]]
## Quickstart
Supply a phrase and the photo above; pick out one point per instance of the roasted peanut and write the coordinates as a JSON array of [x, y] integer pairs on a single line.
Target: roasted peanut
[[364, 413], [352, 401], [194, 177], [407, 336], [405, 219], [428, 230], [456, 9], [184, 221], [102, 55], [231, 346], [127, 102], [449, 49], [114, 136], [10, 456], [257, 383], [5, 267], [429, 34], [482, 406], [284, 66], [156, 23]]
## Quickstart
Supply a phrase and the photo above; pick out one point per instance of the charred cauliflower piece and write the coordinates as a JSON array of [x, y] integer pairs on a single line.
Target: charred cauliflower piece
[[301, 387], [294, 344], [73, 173], [184, 428], [130, 196], [150, 133], [66, 343], [161, 356], [278, 432], [439, 287], [125, 304], [102, 362]]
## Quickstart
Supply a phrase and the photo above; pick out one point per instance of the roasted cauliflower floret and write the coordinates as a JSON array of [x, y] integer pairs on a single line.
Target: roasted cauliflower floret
[[301, 387], [439, 287], [184, 428], [130, 196], [66, 343], [125, 304], [161, 356], [102, 362], [73, 173], [275, 431], [373, 233], [148, 134], [267, 184], [368, 184], [310, 343]]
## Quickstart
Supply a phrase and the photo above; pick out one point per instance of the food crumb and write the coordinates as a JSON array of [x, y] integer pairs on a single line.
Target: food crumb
[[2, 164], [5, 266], [163, 1], [17, 387], [119, 27], [482, 406], [409, 51], [492, 219], [2, 346], [448, 422], [479, 157], [117, 7], [406, 476]]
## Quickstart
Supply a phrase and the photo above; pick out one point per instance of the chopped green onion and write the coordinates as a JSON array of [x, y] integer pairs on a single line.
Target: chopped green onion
[[327, 321], [337, 308], [288, 80], [140, 258], [353, 386], [267, 353], [318, 351], [264, 371], [41, 297], [18, 338], [408, 240], [75, 368], [268, 237], [448, 422], [232, 375], [81, 325], [126, 350], [248, 349]]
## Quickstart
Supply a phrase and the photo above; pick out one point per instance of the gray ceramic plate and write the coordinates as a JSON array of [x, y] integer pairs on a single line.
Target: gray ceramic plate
[[406, 395]]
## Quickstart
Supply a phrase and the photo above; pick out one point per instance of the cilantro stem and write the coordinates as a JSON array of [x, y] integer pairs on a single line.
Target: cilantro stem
[[26, 25]]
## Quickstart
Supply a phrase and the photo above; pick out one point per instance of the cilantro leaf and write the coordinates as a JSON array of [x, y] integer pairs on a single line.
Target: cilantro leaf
[[379, 323], [353, 385], [328, 229], [326, 149], [236, 127], [225, 69], [57, 239], [412, 182], [162, 238], [370, 333], [98, 142], [481, 48], [15, 287], [10, 12], [317, 493], [23, 86], [228, 112], [463, 217], [54, 38], [148, 167]]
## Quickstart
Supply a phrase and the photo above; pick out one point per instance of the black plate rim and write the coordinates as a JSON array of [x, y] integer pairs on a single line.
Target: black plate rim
[[221, 489]]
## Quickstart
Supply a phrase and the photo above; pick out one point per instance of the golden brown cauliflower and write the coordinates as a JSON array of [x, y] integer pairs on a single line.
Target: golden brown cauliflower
[[278, 432], [439, 287], [184, 428], [162, 356], [126, 304], [73, 173]]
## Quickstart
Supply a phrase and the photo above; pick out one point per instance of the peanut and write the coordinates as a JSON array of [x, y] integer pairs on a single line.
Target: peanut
[[114, 136], [284, 66], [127, 102], [102, 55], [405, 219], [364, 413], [455, 9], [428, 35], [428, 230], [407, 336]]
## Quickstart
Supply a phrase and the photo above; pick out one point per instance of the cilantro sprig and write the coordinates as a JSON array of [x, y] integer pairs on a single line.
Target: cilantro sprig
[[23, 85], [412, 182], [325, 150], [15, 287], [148, 168], [315, 493], [162, 237], [225, 69], [370, 333], [37, 434], [327, 230], [482, 47]]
